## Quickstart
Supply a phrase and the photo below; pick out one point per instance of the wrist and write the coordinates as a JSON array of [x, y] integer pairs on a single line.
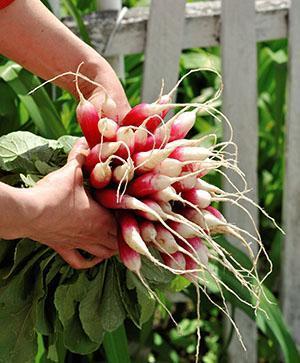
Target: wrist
[[17, 209]]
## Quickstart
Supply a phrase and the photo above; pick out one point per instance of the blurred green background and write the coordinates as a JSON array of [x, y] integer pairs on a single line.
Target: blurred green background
[[52, 114]]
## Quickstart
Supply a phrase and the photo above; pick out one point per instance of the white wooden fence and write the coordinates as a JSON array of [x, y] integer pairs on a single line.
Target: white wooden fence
[[237, 25]]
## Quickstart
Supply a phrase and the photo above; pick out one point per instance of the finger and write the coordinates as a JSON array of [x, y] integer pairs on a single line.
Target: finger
[[76, 260], [100, 251], [78, 152]]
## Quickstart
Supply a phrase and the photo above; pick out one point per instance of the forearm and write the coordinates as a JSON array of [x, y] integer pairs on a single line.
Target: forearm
[[15, 210], [33, 37]]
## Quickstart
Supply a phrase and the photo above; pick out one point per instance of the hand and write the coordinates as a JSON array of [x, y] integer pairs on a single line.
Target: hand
[[68, 218], [102, 73]]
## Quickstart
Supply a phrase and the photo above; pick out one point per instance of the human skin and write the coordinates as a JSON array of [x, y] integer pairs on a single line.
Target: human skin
[[58, 211]]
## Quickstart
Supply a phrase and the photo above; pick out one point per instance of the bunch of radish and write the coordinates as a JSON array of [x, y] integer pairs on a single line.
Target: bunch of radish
[[153, 179]]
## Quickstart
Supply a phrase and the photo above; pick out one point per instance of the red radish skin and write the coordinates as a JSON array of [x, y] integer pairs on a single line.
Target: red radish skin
[[138, 114], [198, 197], [182, 125], [92, 159], [88, 118], [108, 198], [182, 229], [101, 175], [185, 184], [196, 244], [175, 261], [194, 216], [216, 213], [130, 258], [190, 264], [148, 184]]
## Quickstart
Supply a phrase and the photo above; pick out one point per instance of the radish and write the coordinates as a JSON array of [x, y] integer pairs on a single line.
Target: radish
[[169, 167], [130, 258], [196, 244], [165, 241], [216, 213], [147, 184], [148, 231], [143, 167], [182, 125], [123, 172], [198, 197], [175, 260], [108, 149], [131, 233], [140, 138], [139, 113], [183, 230], [148, 160], [153, 206], [185, 153], [185, 184], [92, 159], [109, 107], [126, 136], [108, 129], [203, 185], [88, 119], [101, 175]]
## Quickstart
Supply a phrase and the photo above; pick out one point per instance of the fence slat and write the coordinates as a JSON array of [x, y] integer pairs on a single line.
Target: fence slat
[[117, 62], [202, 26], [163, 46], [239, 69], [291, 201]]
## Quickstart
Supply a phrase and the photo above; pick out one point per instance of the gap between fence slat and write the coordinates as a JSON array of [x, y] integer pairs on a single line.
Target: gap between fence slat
[[239, 70], [163, 46], [291, 203]]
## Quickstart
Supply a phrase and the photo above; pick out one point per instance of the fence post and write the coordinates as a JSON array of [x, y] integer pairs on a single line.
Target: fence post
[[239, 64], [163, 46], [117, 62], [291, 197]]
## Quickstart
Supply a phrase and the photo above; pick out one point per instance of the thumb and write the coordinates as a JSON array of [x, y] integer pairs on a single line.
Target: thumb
[[79, 151]]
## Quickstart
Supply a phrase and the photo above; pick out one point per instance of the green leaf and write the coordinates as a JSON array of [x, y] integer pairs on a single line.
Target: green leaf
[[90, 308], [111, 306], [72, 9], [24, 249], [17, 300], [22, 152], [116, 346], [39, 105], [147, 305], [67, 300]]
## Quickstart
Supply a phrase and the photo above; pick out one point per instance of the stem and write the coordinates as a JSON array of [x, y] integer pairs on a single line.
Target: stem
[[116, 346]]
